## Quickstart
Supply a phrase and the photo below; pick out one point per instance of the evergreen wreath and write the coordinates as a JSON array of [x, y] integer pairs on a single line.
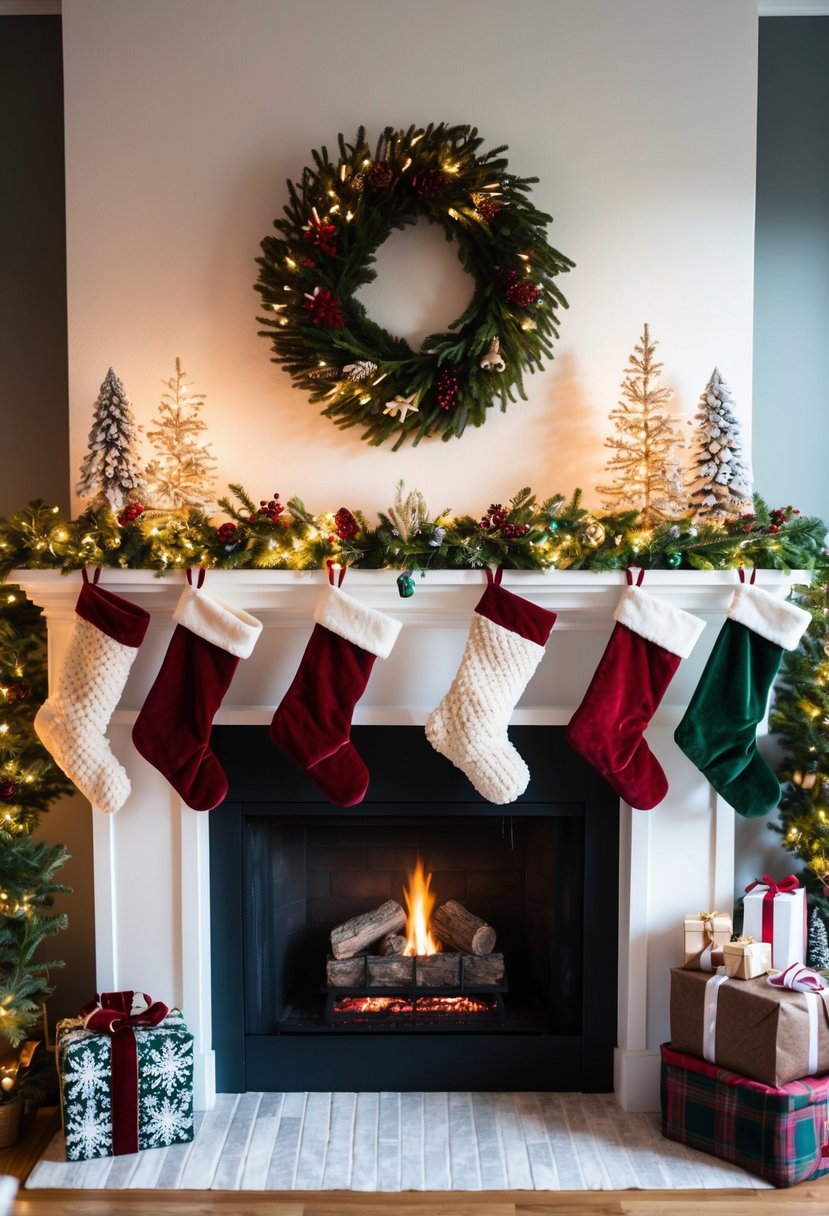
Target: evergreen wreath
[[340, 213]]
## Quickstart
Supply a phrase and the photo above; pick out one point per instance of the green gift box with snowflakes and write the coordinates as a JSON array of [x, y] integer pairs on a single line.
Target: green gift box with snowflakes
[[126, 1077]]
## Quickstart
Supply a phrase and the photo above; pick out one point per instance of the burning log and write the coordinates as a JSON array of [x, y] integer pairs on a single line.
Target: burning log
[[354, 935], [392, 943], [462, 930]]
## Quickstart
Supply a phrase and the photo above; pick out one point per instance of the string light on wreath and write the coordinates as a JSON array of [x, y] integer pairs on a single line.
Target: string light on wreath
[[341, 211]]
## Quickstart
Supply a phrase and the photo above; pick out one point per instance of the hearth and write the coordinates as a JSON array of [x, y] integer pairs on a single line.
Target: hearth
[[286, 867]]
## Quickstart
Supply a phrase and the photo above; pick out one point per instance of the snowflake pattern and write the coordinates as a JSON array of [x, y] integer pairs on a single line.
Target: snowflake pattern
[[165, 1086], [169, 1066], [168, 1120]]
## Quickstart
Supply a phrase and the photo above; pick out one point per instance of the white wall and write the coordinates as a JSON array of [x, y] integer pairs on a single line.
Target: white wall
[[185, 117]]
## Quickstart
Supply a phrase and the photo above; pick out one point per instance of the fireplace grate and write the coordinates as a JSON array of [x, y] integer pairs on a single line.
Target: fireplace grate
[[416, 1008]]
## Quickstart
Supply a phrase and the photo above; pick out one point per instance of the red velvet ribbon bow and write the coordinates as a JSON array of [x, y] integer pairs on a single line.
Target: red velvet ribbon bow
[[786, 886], [113, 1016]]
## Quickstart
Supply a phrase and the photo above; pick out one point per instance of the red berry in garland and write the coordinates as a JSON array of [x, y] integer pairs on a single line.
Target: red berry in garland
[[447, 389], [130, 514], [9, 791], [270, 511], [324, 308], [345, 524], [226, 534]]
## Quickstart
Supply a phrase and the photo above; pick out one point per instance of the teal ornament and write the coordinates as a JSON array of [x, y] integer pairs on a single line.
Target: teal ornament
[[405, 586], [673, 560], [552, 526]]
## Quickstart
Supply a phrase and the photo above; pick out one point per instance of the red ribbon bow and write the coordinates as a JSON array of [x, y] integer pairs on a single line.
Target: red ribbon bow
[[786, 885], [114, 1016]]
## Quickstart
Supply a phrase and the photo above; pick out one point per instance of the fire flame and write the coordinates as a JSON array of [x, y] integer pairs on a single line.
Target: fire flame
[[419, 904]]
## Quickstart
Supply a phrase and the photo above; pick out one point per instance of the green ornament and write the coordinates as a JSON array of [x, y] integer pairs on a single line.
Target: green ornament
[[673, 560], [405, 586]]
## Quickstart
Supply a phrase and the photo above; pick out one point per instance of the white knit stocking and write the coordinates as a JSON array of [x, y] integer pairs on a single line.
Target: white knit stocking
[[72, 722], [469, 726]]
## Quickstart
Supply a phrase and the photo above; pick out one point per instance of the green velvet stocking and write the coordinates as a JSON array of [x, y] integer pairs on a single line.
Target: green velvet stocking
[[719, 730]]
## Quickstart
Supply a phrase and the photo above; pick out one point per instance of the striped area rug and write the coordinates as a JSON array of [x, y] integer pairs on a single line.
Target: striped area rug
[[407, 1142]]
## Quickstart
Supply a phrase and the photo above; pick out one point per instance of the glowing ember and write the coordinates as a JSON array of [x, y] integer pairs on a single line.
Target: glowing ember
[[399, 1006], [419, 903]]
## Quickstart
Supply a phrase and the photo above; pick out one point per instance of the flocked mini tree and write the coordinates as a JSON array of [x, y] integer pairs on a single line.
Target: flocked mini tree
[[721, 481], [645, 463], [181, 473], [817, 954], [109, 471]]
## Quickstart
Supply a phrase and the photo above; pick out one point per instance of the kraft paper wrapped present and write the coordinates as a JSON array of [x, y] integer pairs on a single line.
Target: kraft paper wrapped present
[[766, 1033], [705, 935], [775, 912], [126, 1077], [777, 1133], [745, 959]]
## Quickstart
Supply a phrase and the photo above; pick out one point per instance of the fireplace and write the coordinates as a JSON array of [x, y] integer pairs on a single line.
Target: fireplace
[[152, 862], [286, 867]]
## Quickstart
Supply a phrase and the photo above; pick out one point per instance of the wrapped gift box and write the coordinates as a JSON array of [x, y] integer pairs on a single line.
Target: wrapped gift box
[[768, 1034], [746, 959], [705, 935], [774, 1132], [776, 913], [92, 1099]]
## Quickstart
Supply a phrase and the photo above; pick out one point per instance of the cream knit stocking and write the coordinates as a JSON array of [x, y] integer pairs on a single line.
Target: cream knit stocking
[[505, 645]]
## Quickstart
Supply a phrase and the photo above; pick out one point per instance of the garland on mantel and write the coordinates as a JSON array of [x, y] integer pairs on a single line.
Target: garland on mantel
[[524, 534]]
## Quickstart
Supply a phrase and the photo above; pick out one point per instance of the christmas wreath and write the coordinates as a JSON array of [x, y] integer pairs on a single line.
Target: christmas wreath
[[340, 213]]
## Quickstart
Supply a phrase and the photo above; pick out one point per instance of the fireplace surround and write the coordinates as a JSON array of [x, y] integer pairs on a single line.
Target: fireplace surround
[[152, 859]]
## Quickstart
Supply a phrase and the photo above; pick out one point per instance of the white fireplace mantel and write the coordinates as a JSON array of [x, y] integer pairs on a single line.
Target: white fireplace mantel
[[151, 860]]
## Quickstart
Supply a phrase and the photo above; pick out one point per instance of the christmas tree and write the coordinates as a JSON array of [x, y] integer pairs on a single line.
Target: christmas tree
[[108, 471], [722, 482], [29, 781], [817, 954], [648, 474], [800, 719], [182, 473]]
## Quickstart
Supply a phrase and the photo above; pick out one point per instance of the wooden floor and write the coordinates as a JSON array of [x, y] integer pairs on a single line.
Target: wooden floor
[[809, 1199]]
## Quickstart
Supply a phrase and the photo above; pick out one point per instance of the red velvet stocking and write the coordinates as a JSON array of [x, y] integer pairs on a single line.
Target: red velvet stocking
[[313, 722], [648, 642], [172, 731]]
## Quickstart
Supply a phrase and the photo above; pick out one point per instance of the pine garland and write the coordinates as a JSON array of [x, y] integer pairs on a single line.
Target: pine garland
[[525, 534], [338, 215]]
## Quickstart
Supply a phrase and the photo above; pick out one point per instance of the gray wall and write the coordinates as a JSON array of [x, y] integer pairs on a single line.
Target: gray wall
[[791, 315], [33, 389]]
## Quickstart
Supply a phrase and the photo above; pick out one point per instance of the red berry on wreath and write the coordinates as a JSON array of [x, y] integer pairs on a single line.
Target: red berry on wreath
[[447, 389], [8, 791], [379, 176], [321, 233], [430, 183], [486, 207], [523, 294], [345, 524], [324, 308]]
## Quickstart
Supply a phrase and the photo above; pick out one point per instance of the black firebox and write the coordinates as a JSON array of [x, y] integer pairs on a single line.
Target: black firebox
[[286, 867]]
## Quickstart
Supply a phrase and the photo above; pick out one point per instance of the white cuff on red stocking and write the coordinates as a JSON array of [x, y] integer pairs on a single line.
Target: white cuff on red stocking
[[218, 622], [348, 618], [665, 625]]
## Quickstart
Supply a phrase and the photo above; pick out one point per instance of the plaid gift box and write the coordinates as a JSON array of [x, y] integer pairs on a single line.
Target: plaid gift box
[[777, 1134], [124, 1084]]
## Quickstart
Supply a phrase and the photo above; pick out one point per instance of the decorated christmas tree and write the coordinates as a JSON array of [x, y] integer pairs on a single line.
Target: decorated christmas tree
[[181, 474], [29, 781], [108, 472], [721, 479], [800, 719], [646, 467]]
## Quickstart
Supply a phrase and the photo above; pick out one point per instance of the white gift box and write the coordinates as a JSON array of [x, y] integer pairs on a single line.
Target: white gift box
[[788, 931]]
